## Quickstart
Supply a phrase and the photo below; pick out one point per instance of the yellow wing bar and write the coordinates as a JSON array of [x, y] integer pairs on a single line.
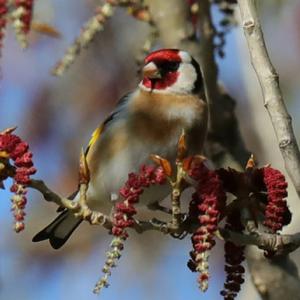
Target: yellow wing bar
[[95, 136]]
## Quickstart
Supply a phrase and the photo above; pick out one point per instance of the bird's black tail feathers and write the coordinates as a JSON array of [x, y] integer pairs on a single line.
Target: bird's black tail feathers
[[59, 230]]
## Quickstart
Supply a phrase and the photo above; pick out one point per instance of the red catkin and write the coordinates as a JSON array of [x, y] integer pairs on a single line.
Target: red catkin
[[26, 17], [131, 191], [276, 208], [18, 151], [234, 256], [207, 204]]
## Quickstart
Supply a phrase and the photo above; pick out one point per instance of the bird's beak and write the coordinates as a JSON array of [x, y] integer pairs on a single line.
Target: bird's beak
[[151, 71]]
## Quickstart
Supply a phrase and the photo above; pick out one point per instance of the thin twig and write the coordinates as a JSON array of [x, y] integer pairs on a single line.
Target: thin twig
[[87, 35], [79, 208], [51, 196], [272, 95]]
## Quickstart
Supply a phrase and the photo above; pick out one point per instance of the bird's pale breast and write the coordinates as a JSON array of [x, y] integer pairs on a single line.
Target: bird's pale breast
[[150, 124]]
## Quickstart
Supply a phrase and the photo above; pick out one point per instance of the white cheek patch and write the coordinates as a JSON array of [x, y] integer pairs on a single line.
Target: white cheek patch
[[185, 82]]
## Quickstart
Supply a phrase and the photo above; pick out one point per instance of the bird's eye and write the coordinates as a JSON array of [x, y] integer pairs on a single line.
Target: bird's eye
[[169, 66]]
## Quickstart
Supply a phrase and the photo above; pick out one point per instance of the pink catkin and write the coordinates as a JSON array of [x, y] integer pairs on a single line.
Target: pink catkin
[[131, 191], [18, 152], [207, 203], [277, 192], [26, 18]]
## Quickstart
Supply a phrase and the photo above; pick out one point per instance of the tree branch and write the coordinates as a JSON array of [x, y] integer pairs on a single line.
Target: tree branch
[[79, 208], [279, 245], [272, 95], [271, 278]]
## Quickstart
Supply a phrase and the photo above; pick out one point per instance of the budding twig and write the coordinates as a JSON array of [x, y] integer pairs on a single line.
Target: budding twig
[[89, 30], [96, 24], [178, 184], [79, 208]]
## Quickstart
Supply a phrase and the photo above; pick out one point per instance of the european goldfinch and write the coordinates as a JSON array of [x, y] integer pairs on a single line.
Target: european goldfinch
[[147, 121]]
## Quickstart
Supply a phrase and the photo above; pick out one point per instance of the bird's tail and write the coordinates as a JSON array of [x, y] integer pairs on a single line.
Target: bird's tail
[[59, 230]]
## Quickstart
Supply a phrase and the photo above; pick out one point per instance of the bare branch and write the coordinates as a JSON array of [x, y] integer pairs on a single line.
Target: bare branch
[[272, 95], [79, 208], [279, 244]]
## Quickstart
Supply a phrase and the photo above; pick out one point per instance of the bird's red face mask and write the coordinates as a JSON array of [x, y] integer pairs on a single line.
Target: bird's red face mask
[[161, 69]]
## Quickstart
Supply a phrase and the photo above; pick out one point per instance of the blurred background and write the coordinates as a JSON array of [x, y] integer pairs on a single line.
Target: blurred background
[[57, 115]]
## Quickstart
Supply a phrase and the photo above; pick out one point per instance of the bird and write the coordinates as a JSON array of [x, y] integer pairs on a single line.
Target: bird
[[149, 120]]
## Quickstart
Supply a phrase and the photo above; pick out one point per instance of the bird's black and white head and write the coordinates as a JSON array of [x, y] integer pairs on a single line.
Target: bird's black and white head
[[171, 71]]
